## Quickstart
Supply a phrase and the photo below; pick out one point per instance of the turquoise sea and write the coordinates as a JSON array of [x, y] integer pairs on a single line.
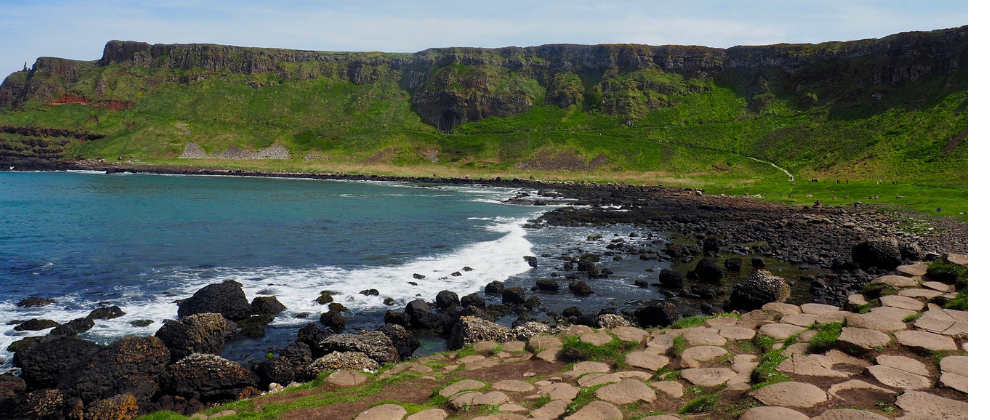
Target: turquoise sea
[[142, 242]]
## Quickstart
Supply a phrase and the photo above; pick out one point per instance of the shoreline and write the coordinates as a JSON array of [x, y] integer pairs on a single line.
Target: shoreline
[[814, 239]]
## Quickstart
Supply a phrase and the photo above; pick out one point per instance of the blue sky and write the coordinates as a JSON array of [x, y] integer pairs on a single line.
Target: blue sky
[[78, 30]]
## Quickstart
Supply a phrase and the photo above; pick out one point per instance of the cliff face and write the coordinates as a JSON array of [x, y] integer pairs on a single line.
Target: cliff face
[[452, 86]]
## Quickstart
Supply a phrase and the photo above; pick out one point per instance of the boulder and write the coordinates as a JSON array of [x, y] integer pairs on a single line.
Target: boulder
[[513, 296], [200, 333], [280, 370], [671, 279], [405, 342], [473, 300], [659, 314], [446, 299], [494, 288], [114, 369], [708, 271], [34, 302], [733, 264], [334, 320], [421, 315], [761, 288], [326, 296], [758, 262], [375, 344], [911, 251], [35, 324], [106, 312], [398, 318], [882, 253], [225, 298], [117, 407], [580, 288], [469, 329], [266, 305], [547, 285], [44, 360], [339, 361], [208, 378]]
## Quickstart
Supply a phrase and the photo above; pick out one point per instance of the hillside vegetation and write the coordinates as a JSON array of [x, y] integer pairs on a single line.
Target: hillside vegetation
[[890, 108]]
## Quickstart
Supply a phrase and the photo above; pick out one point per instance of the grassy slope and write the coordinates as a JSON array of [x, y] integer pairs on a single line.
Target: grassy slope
[[653, 127]]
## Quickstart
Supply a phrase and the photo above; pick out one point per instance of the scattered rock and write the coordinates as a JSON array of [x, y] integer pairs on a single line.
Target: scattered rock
[[200, 333], [225, 298], [761, 288]]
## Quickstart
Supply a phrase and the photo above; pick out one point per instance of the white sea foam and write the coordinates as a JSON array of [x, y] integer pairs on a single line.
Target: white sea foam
[[296, 288]]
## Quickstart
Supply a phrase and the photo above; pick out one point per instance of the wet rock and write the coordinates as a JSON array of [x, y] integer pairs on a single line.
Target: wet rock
[[200, 333], [659, 314], [34, 302], [334, 320], [44, 360], [106, 312], [547, 285], [881, 253], [375, 344], [36, 325], [369, 292], [761, 288], [494, 288], [398, 318], [513, 296], [473, 300], [708, 271], [446, 299], [580, 288], [208, 378], [114, 369], [421, 315], [671, 279], [225, 298], [326, 296], [405, 342], [531, 260], [266, 305]]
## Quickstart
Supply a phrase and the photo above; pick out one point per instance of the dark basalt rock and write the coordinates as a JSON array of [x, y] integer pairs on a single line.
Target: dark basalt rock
[[513, 296], [116, 369], [278, 370], [733, 264], [34, 302], [398, 318], [641, 283], [421, 315], [446, 299], [326, 297], [200, 333], [36, 325], [710, 245], [911, 251], [881, 253], [473, 300], [334, 320], [758, 262], [106, 312], [225, 298], [44, 360], [531, 260], [761, 288], [208, 378], [405, 342], [547, 285], [254, 326], [671, 279], [659, 314], [266, 305], [494, 288], [375, 344], [708, 271], [580, 288], [76, 326], [369, 292]]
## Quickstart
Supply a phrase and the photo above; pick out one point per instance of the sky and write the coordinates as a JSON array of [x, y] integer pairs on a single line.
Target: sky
[[79, 29]]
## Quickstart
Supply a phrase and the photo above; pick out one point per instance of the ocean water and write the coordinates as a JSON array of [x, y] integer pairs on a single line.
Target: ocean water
[[144, 241]]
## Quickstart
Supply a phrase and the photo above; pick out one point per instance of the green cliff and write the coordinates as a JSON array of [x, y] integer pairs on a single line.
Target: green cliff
[[889, 107]]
